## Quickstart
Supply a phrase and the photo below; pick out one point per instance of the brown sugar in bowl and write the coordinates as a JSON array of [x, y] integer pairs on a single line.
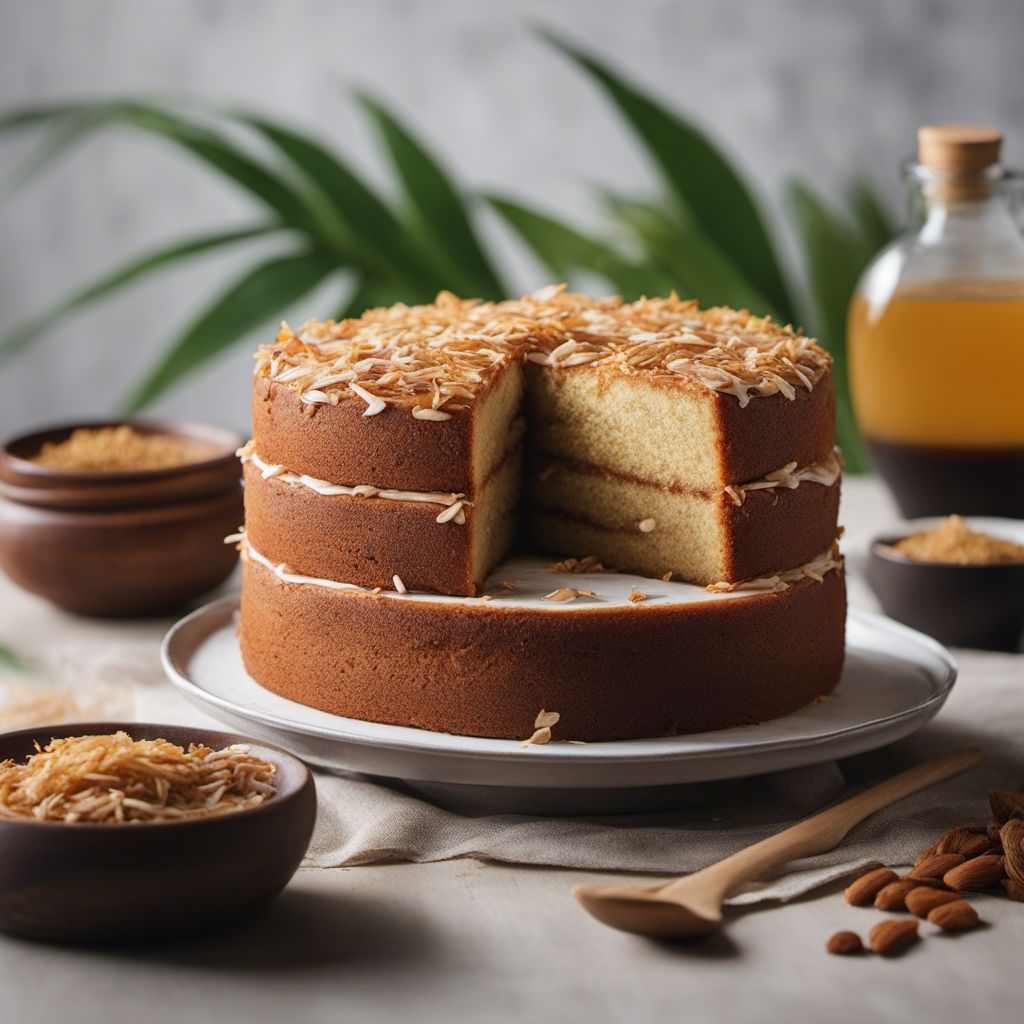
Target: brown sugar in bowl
[[962, 605], [120, 543], [80, 882]]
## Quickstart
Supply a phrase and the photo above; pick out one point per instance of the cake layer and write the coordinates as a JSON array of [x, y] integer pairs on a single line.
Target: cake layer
[[700, 536], [672, 430], [392, 447], [441, 542], [615, 665]]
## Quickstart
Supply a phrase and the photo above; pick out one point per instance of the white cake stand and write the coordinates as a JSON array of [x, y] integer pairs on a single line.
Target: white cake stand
[[895, 680]]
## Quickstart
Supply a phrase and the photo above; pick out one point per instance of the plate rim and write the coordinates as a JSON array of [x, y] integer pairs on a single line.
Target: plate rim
[[614, 751]]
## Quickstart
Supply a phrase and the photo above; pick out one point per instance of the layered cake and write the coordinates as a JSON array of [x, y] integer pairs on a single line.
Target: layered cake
[[681, 458]]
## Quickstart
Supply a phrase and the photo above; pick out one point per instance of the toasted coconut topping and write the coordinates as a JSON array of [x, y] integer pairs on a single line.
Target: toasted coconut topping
[[791, 476], [542, 735], [586, 564], [568, 594], [113, 779], [816, 570], [434, 359]]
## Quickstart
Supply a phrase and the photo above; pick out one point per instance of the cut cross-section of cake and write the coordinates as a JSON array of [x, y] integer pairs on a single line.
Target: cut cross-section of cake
[[660, 438]]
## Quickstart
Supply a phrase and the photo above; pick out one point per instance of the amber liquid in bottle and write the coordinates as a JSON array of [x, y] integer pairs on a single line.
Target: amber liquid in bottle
[[938, 380], [936, 336]]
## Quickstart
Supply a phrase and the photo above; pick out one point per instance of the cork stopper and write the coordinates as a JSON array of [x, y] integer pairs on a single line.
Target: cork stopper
[[958, 155]]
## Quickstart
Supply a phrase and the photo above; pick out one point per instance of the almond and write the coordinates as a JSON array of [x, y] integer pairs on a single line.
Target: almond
[[844, 944], [894, 895], [922, 900], [1006, 805], [863, 891], [967, 840], [955, 916], [1012, 836], [993, 836], [893, 936], [975, 874], [937, 865], [1014, 889]]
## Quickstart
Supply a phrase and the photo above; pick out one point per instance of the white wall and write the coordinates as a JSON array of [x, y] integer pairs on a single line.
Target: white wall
[[799, 86]]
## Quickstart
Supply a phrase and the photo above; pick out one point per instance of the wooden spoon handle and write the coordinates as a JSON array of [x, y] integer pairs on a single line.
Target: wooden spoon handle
[[824, 830]]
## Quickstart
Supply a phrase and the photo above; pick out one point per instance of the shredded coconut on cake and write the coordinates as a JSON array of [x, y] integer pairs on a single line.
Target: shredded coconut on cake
[[791, 476], [816, 570], [433, 359]]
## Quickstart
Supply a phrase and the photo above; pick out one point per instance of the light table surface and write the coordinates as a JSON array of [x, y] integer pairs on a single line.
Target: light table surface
[[478, 942]]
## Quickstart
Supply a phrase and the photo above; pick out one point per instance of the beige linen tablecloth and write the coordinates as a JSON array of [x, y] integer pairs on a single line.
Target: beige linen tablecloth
[[364, 821]]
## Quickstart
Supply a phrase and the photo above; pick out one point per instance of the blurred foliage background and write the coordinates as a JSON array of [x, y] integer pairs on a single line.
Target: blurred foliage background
[[703, 233]]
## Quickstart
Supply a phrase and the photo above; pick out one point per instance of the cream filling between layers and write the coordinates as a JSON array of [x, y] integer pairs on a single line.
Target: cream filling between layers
[[454, 503], [791, 476], [531, 584]]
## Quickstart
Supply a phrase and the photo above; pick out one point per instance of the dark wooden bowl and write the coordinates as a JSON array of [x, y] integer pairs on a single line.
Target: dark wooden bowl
[[960, 605], [122, 543], [101, 883]]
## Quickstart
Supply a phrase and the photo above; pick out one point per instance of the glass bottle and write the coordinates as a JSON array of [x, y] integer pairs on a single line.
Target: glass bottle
[[936, 335]]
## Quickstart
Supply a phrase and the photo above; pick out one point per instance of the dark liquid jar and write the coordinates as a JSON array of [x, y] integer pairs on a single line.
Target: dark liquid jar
[[936, 336]]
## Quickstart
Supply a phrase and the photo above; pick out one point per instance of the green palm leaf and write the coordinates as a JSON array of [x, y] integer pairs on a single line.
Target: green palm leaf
[[257, 297], [565, 251], [834, 260], [438, 207], [43, 113], [282, 196], [160, 259], [10, 660], [697, 267], [702, 179], [383, 240], [72, 126], [876, 227]]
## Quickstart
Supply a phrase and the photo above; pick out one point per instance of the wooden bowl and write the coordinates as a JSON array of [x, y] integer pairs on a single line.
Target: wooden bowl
[[978, 606], [120, 543], [101, 883]]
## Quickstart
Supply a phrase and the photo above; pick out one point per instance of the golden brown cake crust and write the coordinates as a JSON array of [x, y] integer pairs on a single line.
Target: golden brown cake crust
[[774, 430], [777, 529], [338, 443], [479, 670], [366, 541]]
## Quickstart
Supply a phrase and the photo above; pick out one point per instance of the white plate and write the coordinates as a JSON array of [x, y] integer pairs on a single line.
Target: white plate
[[894, 681]]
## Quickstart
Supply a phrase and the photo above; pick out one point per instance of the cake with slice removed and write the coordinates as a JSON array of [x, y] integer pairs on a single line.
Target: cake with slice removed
[[657, 438]]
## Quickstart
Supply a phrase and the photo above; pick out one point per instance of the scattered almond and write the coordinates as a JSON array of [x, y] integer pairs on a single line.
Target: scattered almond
[[936, 865], [894, 895], [891, 937], [1014, 889], [993, 836], [1006, 805], [864, 890], [965, 841], [637, 595], [954, 917], [923, 900], [1012, 837], [975, 874], [845, 944]]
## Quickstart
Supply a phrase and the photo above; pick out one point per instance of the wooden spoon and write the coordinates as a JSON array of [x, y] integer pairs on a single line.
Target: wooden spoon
[[691, 906]]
